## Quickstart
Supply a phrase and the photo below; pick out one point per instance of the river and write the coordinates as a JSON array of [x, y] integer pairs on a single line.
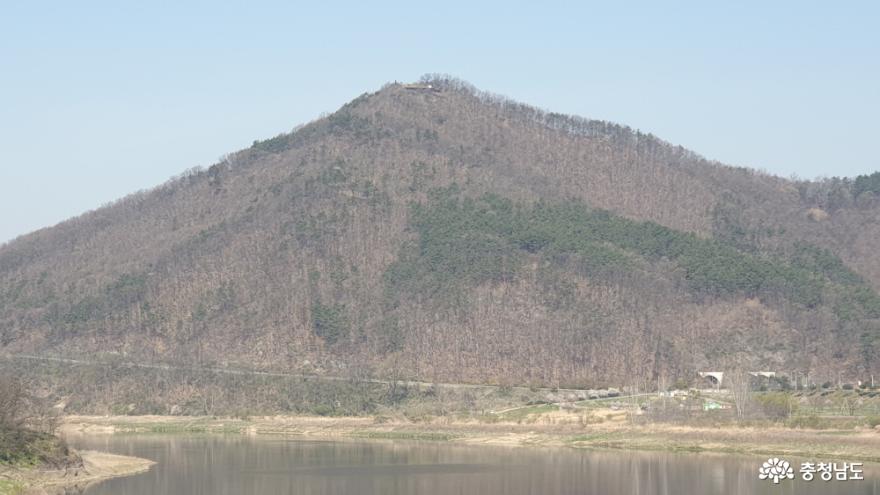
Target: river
[[236, 465]]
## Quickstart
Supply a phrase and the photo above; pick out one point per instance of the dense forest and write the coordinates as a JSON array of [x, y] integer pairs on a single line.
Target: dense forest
[[440, 233]]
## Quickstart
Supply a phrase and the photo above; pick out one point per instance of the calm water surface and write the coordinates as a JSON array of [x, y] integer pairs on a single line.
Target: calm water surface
[[235, 465]]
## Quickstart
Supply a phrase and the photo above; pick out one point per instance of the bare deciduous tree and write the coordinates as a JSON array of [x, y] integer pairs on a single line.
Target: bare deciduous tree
[[12, 403], [738, 382]]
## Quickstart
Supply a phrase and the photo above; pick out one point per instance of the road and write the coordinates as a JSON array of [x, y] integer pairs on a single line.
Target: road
[[302, 376]]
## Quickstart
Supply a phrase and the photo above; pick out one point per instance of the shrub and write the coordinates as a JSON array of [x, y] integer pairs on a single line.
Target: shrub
[[777, 405], [812, 421], [323, 410]]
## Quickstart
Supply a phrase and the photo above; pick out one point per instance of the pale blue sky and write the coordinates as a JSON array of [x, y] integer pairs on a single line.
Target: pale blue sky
[[100, 99]]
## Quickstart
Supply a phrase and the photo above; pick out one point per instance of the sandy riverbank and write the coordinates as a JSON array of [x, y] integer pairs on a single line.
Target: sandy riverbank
[[851, 444], [96, 466]]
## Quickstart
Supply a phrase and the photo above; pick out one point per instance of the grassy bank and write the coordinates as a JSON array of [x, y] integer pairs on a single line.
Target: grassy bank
[[545, 427], [91, 467]]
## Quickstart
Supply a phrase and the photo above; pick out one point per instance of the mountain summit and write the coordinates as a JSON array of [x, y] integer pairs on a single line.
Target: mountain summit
[[435, 232]]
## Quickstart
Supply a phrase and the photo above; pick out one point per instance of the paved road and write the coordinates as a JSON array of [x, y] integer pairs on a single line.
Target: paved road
[[231, 371]]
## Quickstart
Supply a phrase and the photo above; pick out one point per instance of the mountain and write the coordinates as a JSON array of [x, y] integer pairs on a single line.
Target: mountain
[[436, 232]]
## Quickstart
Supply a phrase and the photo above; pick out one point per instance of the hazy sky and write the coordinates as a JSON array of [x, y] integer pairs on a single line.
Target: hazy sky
[[100, 99]]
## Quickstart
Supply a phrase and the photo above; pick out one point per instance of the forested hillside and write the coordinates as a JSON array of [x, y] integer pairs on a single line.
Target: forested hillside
[[439, 233]]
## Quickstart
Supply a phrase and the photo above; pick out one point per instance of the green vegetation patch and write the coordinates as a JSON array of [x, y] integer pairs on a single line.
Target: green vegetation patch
[[193, 428], [406, 435], [25, 448], [866, 183], [125, 291], [9, 487], [330, 321], [465, 241]]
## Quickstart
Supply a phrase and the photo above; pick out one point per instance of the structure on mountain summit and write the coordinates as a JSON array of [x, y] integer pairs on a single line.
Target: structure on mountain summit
[[422, 87]]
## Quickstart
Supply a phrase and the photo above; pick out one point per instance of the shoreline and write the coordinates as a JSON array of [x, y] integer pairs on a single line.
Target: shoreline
[[96, 467], [860, 444]]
